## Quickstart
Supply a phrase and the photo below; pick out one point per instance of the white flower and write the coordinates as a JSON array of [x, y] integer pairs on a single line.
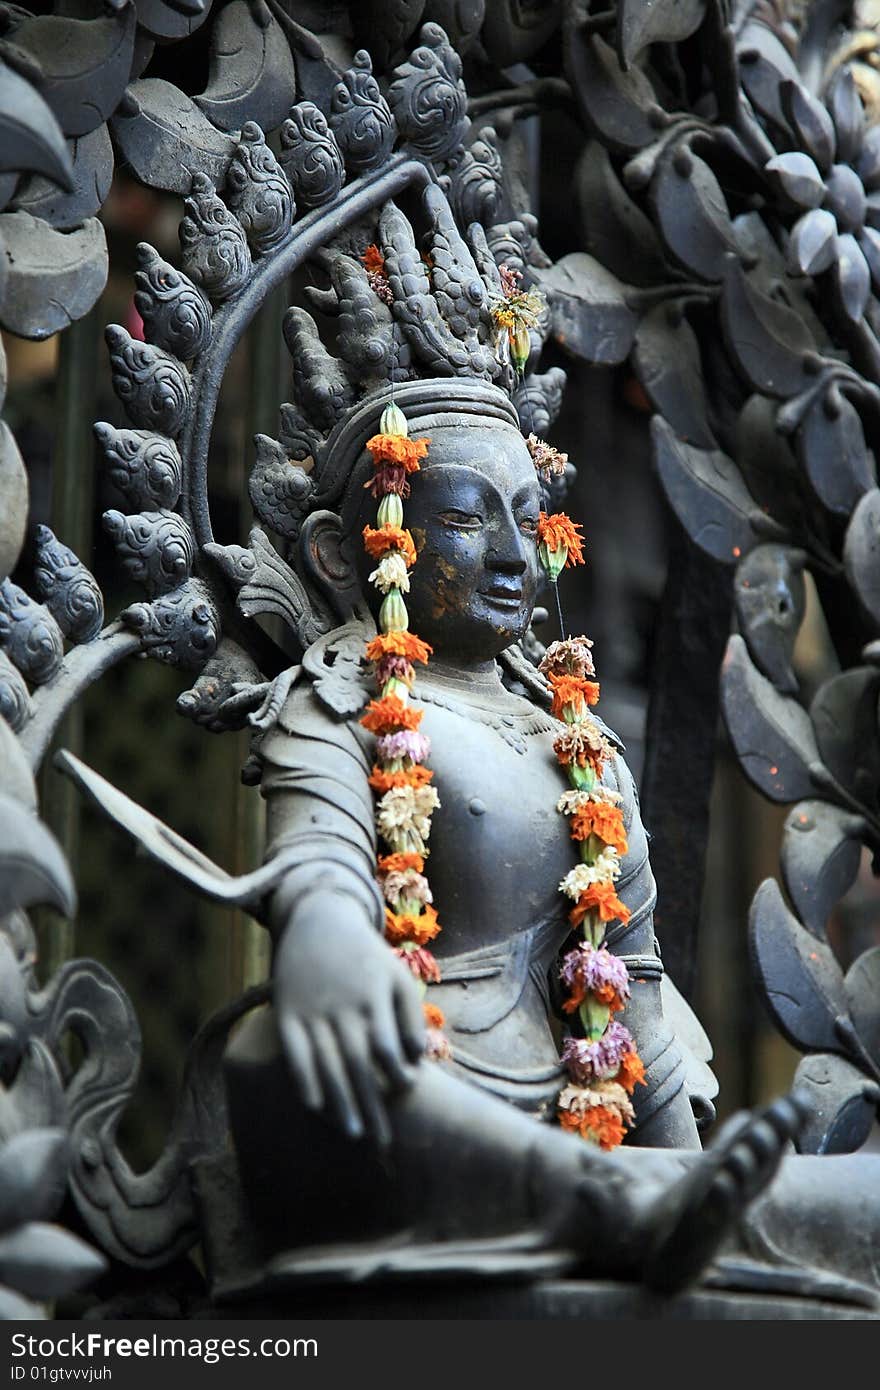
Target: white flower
[[406, 883], [391, 573], [572, 801], [579, 1099], [605, 870], [405, 811]]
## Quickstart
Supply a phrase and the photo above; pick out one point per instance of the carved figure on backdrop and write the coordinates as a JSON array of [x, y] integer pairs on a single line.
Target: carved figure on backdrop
[[453, 1086]]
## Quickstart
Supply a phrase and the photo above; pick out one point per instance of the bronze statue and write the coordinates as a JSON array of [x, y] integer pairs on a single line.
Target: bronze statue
[[361, 1141]]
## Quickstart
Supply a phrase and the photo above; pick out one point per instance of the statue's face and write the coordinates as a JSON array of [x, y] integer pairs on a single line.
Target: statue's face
[[473, 514]]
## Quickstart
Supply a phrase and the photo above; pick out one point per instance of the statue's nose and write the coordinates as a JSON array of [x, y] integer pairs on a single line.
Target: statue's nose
[[506, 550]]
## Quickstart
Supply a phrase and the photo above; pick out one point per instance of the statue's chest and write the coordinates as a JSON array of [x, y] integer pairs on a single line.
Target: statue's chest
[[498, 845]]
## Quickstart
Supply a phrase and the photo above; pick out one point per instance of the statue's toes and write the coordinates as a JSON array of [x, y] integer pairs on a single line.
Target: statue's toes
[[717, 1191]]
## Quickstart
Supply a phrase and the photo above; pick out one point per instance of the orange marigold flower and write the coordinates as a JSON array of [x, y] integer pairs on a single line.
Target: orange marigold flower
[[605, 994], [434, 1017], [399, 643], [397, 448], [557, 531], [379, 540], [632, 1072], [382, 781], [603, 820], [406, 926], [603, 1125], [574, 691], [373, 260], [600, 1124], [399, 863], [388, 714], [602, 898]]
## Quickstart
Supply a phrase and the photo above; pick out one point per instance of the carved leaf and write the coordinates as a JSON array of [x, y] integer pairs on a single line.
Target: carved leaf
[[35, 870], [667, 360], [45, 1261], [812, 245], [166, 139], [848, 115], [643, 22], [614, 228], [588, 308], [428, 99], [252, 76], [796, 177], [706, 493], [771, 733], [766, 67], [152, 385], [862, 985], [619, 107], [54, 277], [30, 137], [831, 446], [842, 1104], [844, 715], [861, 552], [767, 340], [799, 977], [33, 1176], [770, 597], [820, 859], [13, 500], [852, 277], [811, 123], [275, 588], [171, 19], [768, 464], [85, 64], [92, 159]]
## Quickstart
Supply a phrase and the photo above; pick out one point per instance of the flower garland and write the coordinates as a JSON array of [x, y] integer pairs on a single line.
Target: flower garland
[[603, 1063], [400, 777]]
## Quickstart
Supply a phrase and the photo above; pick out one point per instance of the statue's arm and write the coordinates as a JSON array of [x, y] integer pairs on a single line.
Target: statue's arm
[[348, 1012]]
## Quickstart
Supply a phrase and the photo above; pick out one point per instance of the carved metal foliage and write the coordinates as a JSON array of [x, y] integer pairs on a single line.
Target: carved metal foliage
[[310, 155], [361, 118], [428, 98], [258, 192], [176, 315], [67, 588], [152, 385]]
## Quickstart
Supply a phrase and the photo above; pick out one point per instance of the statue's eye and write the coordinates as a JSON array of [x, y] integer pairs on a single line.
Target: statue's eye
[[462, 521]]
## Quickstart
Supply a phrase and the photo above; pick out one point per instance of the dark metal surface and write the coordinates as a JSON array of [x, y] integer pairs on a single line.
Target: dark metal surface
[[723, 250]]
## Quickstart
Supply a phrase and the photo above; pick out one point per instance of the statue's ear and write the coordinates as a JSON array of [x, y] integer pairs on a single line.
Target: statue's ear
[[326, 557]]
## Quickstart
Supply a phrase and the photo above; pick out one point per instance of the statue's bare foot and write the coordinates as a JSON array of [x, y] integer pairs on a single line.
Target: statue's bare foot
[[698, 1212]]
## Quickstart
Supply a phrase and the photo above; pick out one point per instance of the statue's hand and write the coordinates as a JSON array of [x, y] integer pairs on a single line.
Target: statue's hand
[[349, 1014]]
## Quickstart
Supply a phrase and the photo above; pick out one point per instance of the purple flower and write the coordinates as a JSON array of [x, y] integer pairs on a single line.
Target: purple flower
[[597, 1061], [406, 743], [589, 969]]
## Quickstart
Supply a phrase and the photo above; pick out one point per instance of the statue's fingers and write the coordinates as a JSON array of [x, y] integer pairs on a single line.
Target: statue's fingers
[[352, 1036], [387, 1046], [339, 1098], [300, 1059], [410, 1020]]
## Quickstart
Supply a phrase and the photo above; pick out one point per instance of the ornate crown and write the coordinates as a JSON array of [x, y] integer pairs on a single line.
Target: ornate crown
[[414, 234]]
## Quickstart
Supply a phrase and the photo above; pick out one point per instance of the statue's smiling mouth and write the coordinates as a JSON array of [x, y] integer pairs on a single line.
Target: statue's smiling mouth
[[505, 595]]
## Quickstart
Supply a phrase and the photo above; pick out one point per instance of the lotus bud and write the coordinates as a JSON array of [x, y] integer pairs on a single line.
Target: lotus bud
[[390, 510], [393, 616], [393, 421], [552, 560], [520, 346]]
